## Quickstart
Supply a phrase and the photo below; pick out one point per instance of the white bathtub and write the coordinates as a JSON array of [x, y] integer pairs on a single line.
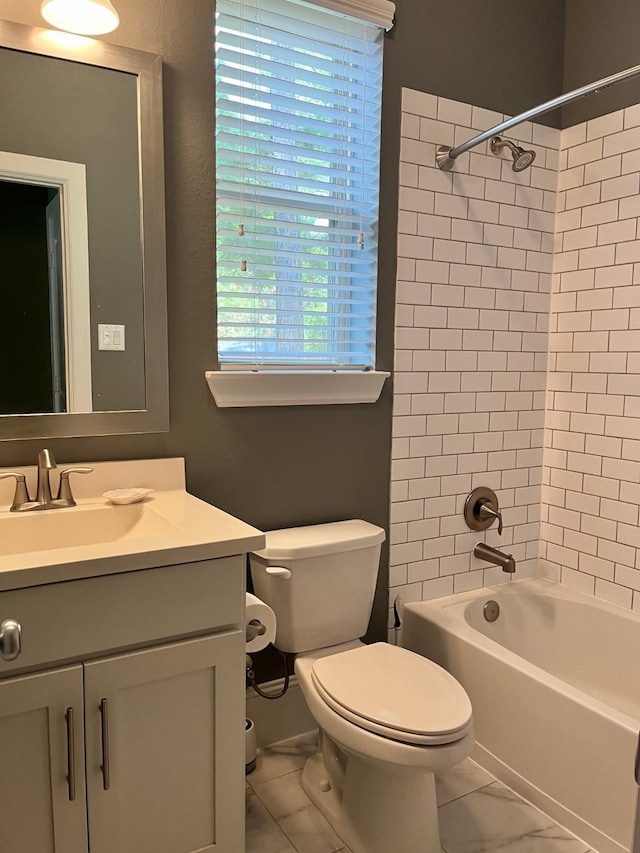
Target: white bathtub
[[555, 688]]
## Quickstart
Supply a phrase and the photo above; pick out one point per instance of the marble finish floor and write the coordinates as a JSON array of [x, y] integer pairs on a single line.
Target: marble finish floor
[[477, 813]]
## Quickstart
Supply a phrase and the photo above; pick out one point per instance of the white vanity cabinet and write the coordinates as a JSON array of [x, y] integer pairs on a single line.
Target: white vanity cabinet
[[150, 759], [169, 741], [36, 812]]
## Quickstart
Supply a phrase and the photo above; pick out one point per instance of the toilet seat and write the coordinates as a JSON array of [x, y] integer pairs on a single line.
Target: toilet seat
[[394, 693]]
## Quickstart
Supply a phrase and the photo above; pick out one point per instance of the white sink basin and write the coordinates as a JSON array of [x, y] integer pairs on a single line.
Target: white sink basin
[[96, 538], [80, 526]]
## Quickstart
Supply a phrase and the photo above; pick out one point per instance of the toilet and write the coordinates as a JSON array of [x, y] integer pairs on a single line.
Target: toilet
[[388, 718]]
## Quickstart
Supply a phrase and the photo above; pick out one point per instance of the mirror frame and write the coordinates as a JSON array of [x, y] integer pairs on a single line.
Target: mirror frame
[[148, 69]]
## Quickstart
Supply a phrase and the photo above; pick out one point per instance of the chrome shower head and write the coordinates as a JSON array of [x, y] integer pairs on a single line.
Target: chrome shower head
[[521, 159]]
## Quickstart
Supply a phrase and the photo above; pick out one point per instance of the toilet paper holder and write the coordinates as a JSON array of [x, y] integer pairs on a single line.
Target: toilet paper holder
[[255, 628], [259, 624]]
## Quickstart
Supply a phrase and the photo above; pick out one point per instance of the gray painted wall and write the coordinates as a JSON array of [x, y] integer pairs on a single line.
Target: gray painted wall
[[74, 112], [602, 38], [293, 466]]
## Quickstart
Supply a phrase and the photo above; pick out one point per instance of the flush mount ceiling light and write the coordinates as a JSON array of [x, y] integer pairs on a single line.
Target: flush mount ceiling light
[[85, 17]]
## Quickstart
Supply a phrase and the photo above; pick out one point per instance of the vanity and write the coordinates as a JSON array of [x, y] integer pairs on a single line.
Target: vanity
[[122, 715], [122, 637]]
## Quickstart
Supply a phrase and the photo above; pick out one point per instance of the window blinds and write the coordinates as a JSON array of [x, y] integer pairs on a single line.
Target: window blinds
[[298, 90]]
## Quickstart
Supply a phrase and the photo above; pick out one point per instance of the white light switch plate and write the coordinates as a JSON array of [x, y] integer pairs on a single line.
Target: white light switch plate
[[110, 337]]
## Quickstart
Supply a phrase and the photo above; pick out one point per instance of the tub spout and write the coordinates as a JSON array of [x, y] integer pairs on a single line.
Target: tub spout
[[492, 555]]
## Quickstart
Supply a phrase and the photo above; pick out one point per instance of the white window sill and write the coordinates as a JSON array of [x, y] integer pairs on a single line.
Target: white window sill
[[236, 388]]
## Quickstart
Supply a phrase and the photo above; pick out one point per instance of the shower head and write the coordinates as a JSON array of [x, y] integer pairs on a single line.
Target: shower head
[[521, 159]]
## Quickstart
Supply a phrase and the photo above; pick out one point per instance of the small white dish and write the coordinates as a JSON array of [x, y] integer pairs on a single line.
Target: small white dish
[[126, 496]]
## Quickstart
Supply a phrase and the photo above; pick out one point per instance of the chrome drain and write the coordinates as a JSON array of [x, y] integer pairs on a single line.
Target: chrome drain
[[491, 610]]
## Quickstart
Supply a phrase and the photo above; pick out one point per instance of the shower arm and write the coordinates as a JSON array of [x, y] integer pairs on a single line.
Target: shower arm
[[446, 156]]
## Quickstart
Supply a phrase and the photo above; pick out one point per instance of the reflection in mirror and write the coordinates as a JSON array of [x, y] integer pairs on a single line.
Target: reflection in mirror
[[82, 267], [31, 300], [85, 118], [45, 298]]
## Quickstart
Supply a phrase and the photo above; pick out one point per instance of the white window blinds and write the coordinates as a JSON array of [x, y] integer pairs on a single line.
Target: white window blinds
[[298, 90]]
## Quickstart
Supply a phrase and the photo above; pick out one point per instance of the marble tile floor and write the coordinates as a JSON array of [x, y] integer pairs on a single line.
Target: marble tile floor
[[477, 813]]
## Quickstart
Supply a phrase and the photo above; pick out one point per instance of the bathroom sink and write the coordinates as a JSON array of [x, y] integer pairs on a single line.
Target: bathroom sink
[[80, 526], [95, 538]]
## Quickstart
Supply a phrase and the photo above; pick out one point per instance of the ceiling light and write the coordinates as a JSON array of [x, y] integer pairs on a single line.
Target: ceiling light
[[86, 17]]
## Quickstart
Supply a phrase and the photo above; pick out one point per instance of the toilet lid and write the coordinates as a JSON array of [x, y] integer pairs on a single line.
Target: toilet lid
[[394, 692], [320, 540]]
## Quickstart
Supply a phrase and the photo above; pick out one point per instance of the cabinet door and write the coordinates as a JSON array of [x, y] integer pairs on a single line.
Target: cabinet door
[[39, 811], [171, 735]]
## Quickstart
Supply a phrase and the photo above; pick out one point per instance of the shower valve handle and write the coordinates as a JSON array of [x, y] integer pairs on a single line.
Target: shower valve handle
[[485, 511], [481, 509]]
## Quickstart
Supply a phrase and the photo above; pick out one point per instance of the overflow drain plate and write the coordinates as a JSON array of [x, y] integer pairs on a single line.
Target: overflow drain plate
[[491, 610]]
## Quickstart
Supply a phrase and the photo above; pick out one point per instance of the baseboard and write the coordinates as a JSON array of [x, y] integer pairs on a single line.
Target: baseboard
[[279, 719]]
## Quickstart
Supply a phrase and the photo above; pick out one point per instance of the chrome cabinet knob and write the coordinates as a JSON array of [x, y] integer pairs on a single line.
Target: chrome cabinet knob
[[10, 639]]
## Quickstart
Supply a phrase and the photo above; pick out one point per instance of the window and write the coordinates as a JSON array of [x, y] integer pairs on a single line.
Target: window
[[298, 91]]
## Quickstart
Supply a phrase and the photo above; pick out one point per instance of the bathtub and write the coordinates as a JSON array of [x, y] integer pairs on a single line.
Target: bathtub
[[555, 688]]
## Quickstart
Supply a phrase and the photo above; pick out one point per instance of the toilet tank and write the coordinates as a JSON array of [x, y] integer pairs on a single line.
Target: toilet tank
[[328, 597]]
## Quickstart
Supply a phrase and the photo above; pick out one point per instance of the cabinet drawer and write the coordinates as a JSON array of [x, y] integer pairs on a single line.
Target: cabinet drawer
[[81, 618]]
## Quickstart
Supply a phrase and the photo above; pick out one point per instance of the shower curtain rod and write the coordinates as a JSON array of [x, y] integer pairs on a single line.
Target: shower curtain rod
[[446, 156]]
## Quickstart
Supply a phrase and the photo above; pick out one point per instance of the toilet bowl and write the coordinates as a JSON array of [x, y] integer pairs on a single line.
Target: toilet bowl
[[377, 787], [388, 718]]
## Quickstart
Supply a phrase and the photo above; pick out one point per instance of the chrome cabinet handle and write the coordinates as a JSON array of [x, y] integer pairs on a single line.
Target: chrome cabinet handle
[[71, 753], [10, 639], [106, 761]]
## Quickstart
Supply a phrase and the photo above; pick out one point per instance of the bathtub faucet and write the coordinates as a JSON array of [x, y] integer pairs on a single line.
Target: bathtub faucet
[[492, 555]]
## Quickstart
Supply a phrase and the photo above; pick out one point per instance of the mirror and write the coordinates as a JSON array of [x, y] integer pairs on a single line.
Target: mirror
[[82, 252]]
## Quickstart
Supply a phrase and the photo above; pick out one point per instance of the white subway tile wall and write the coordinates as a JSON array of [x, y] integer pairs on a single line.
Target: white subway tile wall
[[474, 323], [590, 538], [475, 256]]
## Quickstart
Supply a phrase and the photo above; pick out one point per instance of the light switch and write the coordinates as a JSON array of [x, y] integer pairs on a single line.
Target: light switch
[[110, 337]]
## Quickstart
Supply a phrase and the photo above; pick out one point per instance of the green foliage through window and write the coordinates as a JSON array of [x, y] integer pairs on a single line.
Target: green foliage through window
[[297, 146]]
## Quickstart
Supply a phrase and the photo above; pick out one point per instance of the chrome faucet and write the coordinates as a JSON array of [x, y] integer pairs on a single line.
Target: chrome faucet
[[46, 463], [492, 555], [44, 499]]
